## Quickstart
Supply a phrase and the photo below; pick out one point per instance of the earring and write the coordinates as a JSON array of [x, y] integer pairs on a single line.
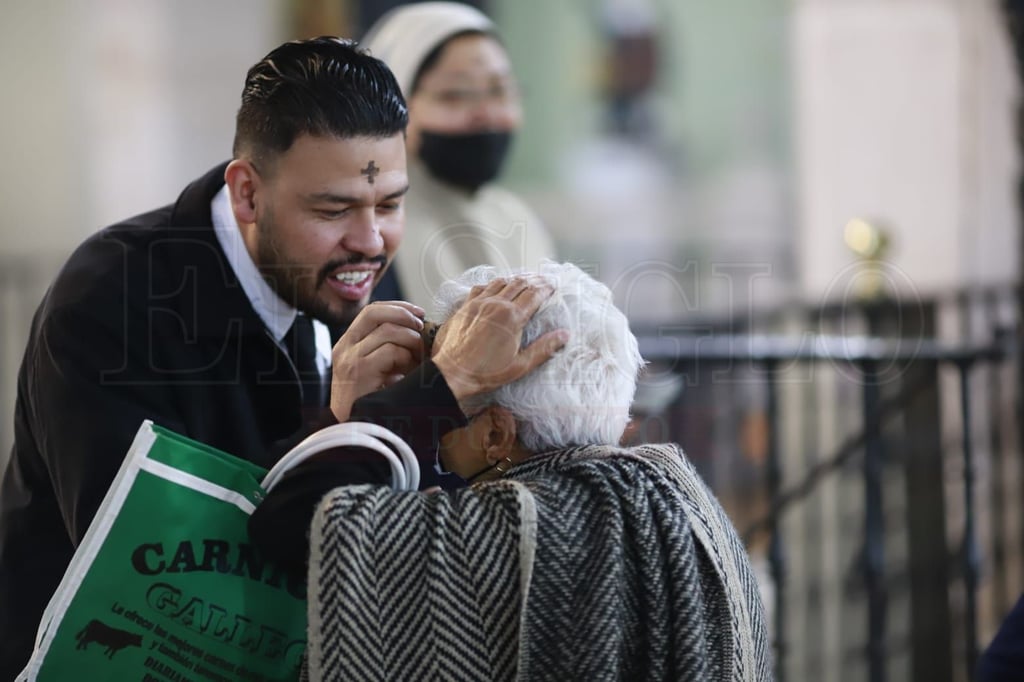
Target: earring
[[497, 467]]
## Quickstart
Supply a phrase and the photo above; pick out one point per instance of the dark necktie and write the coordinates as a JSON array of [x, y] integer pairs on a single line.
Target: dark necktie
[[300, 342]]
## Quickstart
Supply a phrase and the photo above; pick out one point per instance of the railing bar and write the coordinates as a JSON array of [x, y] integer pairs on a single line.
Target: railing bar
[[874, 526], [810, 348], [1018, 403], [814, 532], [970, 546], [1001, 586], [776, 552]]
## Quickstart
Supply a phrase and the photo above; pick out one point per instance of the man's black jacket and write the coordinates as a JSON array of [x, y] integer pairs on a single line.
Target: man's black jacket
[[145, 321]]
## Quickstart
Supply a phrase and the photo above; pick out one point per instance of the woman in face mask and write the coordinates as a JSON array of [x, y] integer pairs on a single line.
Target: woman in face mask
[[464, 110]]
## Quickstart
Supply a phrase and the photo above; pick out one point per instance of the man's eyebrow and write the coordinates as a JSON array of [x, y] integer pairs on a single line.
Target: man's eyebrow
[[395, 195], [332, 198]]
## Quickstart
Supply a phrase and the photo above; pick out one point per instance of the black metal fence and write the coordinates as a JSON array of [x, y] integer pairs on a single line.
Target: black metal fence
[[913, 420], [872, 455]]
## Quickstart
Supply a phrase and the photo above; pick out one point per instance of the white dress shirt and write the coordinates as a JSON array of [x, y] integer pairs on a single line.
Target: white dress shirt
[[275, 312]]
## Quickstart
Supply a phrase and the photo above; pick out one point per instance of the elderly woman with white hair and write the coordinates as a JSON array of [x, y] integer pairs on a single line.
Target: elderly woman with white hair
[[569, 557]]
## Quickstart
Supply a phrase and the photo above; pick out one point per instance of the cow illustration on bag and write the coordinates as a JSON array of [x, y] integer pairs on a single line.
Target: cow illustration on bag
[[103, 634]]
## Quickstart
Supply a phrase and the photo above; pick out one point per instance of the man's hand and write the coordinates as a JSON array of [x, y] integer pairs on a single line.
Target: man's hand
[[478, 348], [381, 346]]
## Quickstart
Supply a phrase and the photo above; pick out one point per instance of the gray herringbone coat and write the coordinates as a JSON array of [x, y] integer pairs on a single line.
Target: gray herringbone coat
[[594, 563]]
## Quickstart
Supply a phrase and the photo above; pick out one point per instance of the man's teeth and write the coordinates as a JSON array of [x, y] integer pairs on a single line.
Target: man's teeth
[[353, 277]]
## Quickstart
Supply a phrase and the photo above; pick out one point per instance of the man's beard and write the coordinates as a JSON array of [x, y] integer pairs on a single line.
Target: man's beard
[[298, 283]]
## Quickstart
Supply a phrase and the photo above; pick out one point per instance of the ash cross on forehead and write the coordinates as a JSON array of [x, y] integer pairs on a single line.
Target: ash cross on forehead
[[370, 171]]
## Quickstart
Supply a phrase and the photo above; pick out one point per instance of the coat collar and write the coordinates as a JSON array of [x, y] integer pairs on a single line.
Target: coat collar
[[211, 299]]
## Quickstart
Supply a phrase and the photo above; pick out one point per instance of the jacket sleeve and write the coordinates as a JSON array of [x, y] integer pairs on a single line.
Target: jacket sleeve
[[84, 388], [88, 384], [420, 409]]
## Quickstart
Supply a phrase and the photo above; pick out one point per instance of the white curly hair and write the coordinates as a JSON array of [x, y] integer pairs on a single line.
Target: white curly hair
[[582, 395]]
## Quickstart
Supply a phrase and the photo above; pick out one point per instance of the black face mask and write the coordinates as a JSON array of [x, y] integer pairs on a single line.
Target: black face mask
[[467, 161]]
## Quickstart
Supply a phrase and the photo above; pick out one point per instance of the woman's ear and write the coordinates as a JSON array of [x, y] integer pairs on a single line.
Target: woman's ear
[[242, 180], [500, 436]]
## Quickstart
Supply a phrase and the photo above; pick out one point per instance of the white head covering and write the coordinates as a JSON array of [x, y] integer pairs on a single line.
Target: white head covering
[[403, 37]]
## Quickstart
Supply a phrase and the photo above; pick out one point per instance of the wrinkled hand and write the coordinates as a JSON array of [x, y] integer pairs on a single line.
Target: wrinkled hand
[[381, 346], [478, 348]]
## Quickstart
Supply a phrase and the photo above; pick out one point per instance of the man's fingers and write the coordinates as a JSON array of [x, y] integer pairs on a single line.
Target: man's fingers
[[489, 289], [387, 334], [390, 333], [541, 350], [512, 287], [532, 297], [479, 349], [376, 314], [411, 307], [507, 287], [388, 361], [517, 286]]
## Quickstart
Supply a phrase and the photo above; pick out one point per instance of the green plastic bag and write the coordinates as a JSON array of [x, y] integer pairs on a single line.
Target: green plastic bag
[[165, 585]]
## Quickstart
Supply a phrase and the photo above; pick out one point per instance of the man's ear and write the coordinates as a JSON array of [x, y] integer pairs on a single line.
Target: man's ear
[[500, 437], [242, 180]]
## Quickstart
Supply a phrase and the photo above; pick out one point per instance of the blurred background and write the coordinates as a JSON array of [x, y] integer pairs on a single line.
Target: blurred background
[[808, 208]]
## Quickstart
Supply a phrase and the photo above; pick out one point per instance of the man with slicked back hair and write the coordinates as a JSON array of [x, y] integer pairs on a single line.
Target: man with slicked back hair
[[238, 316]]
